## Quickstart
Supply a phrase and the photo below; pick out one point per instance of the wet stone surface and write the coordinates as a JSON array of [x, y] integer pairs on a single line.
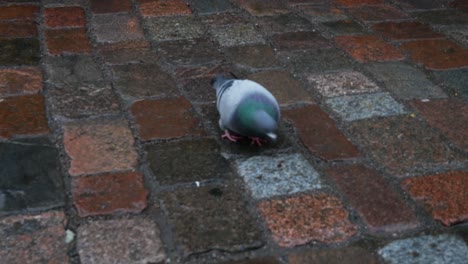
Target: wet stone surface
[[356, 107], [166, 118], [114, 193], [66, 41], [342, 83], [400, 144], [99, 145], [425, 249], [237, 35], [302, 219], [187, 161], [443, 195], [300, 40], [24, 80], [143, 80], [317, 60], [344, 27], [449, 116], [319, 133], [204, 7], [33, 238], [256, 56], [352, 255], [24, 51], [211, 217], [404, 81], [284, 23], [285, 88], [23, 116], [283, 174], [30, 177], [173, 28], [191, 52], [323, 12], [83, 101], [116, 27], [74, 70], [386, 211], [453, 81], [120, 241]]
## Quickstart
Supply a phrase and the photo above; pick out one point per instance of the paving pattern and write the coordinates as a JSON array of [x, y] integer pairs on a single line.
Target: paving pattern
[[110, 150]]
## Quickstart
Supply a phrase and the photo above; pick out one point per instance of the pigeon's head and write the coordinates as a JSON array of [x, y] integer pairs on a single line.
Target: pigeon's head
[[265, 125]]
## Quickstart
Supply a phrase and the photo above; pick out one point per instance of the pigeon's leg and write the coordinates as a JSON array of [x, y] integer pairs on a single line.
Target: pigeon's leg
[[257, 141], [230, 136]]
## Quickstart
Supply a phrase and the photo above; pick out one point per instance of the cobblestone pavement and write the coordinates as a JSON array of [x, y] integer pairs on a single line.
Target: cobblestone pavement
[[110, 150]]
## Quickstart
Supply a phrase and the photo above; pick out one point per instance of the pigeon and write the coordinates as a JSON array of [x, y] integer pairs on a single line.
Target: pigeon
[[247, 109]]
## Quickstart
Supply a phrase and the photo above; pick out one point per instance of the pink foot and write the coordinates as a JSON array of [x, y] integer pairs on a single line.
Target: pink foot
[[231, 137], [257, 141]]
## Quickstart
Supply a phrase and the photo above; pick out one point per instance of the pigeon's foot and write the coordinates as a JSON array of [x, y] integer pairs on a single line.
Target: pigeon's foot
[[257, 141], [230, 136]]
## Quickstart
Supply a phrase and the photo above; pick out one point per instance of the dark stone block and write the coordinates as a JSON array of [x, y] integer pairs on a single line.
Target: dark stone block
[[29, 176], [187, 161], [20, 51], [209, 218]]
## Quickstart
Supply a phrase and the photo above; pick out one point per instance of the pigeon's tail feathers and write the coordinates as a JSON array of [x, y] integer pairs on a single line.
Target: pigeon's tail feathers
[[218, 81]]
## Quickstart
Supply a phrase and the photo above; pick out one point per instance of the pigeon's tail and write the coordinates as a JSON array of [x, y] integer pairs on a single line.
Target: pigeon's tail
[[218, 81]]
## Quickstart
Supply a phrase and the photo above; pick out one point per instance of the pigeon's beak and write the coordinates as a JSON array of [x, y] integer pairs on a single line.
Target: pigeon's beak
[[272, 136]]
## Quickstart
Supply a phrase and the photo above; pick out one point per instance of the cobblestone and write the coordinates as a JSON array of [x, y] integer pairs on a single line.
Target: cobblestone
[[279, 175], [319, 133], [386, 211], [404, 81], [427, 249], [19, 81], [96, 146], [120, 241], [442, 194], [115, 193], [34, 238], [301, 219], [356, 107]]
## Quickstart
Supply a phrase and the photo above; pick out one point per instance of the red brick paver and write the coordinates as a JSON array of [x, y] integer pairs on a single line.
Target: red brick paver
[[109, 194], [439, 54], [366, 48], [263, 8], [301, 219], [33, 238], [352, 3], [18, 12], [165, 118], [380, 207], [450, 116], [58, 17], [352, 255], [69, 40], [282, 85], [377, 13], [23, 115], [406, 30], [110, 6], [17, 29], [120, 241], [17, 81], [156, 8], [443, 194], [319, 133], [96, 146], [300, 40]]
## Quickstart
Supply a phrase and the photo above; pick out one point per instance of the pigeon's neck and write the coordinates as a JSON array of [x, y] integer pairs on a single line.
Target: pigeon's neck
[[256, 117]]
